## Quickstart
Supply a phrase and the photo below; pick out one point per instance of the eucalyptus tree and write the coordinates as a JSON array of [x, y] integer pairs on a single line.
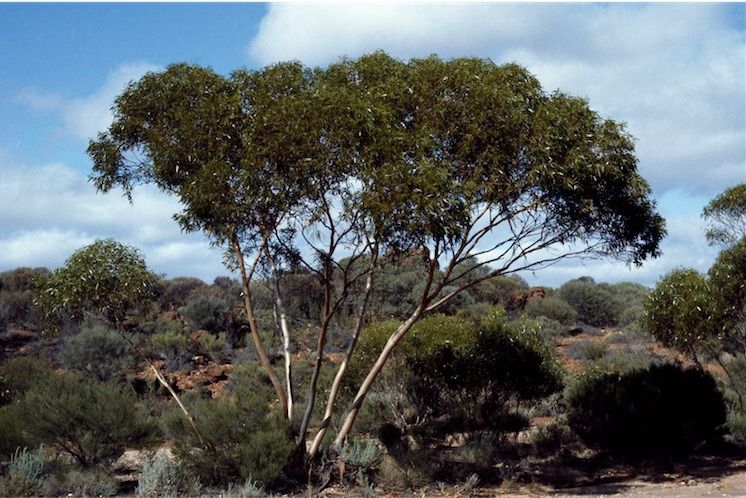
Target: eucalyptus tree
[[105, 281], [468, 163]]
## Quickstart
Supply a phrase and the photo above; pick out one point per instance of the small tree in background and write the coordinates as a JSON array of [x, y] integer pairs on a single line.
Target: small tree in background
[[681, 313], [104, 281], [726, 217]]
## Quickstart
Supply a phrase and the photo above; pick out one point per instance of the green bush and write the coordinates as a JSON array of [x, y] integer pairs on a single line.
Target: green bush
[[175, 292], [660, 410], [89, 420], [459, 375], [98, 351], [18, 374], [551, 307], [681, 312], [170, 340], [206, 312], [595, 304], [242, 438]]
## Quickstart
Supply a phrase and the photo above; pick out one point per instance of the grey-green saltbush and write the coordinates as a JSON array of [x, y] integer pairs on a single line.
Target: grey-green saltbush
[[25, 473], [164, 476]]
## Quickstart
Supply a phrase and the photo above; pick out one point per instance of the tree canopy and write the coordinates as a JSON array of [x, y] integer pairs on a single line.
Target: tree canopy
[[726, 216], [105, 280]]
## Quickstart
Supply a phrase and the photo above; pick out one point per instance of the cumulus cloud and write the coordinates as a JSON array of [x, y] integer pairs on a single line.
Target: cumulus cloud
[[674, 73], [84, 117], [48, 211]]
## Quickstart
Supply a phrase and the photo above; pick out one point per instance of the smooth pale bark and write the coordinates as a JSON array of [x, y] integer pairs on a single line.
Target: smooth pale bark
[[249, 307], [285, 331], [373, 374], [321, 432]]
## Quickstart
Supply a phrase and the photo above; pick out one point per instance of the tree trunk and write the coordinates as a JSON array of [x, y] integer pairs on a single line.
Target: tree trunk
[[285, 331], [373, 374], [254, 332], [342, 368]]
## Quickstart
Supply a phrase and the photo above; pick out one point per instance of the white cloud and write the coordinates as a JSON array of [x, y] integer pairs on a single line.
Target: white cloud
[[675, 73], [84, 117], [46, 212]]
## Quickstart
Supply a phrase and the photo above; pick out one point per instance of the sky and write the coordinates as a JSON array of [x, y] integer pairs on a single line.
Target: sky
[[674, 73]]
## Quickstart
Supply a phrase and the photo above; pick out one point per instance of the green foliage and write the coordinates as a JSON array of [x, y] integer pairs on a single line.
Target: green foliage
[[681, 313], [457, 374], [25, 472], [725, 216], [660, 410], [551, 307], [174, 293], [207, 312], [18, 374], [594, 304], [91, 421], [242, 438], [106, 278], [164, 476], [98, 351], [497, 290], [727, 283]]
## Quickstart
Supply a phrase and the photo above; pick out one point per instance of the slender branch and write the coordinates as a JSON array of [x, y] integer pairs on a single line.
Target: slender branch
[[249, 307]]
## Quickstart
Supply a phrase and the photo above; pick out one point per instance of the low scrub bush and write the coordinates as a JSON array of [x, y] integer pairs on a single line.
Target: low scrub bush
[[77, 482], [552, 307], [595, 304], [163, 475], [241, 438], [18, 374], [89, 420], [660, 410], [98, 351], [25, 473], [460, 376], [207, 312]]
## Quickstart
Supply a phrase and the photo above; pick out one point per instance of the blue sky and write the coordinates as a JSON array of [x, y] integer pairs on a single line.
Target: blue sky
[[676, 74]]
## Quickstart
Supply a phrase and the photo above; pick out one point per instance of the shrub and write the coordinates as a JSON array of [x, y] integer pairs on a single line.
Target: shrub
[[551, 307], [164, 476], [555, 438], [16, 297], [457, 374], [659, 410], [206, 312], [241, 438], [80, 482], [681, 312], [89, 420], [18, 374], [24, 475], [98, 351], [170, 339], [594, 304], [174, 293]]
